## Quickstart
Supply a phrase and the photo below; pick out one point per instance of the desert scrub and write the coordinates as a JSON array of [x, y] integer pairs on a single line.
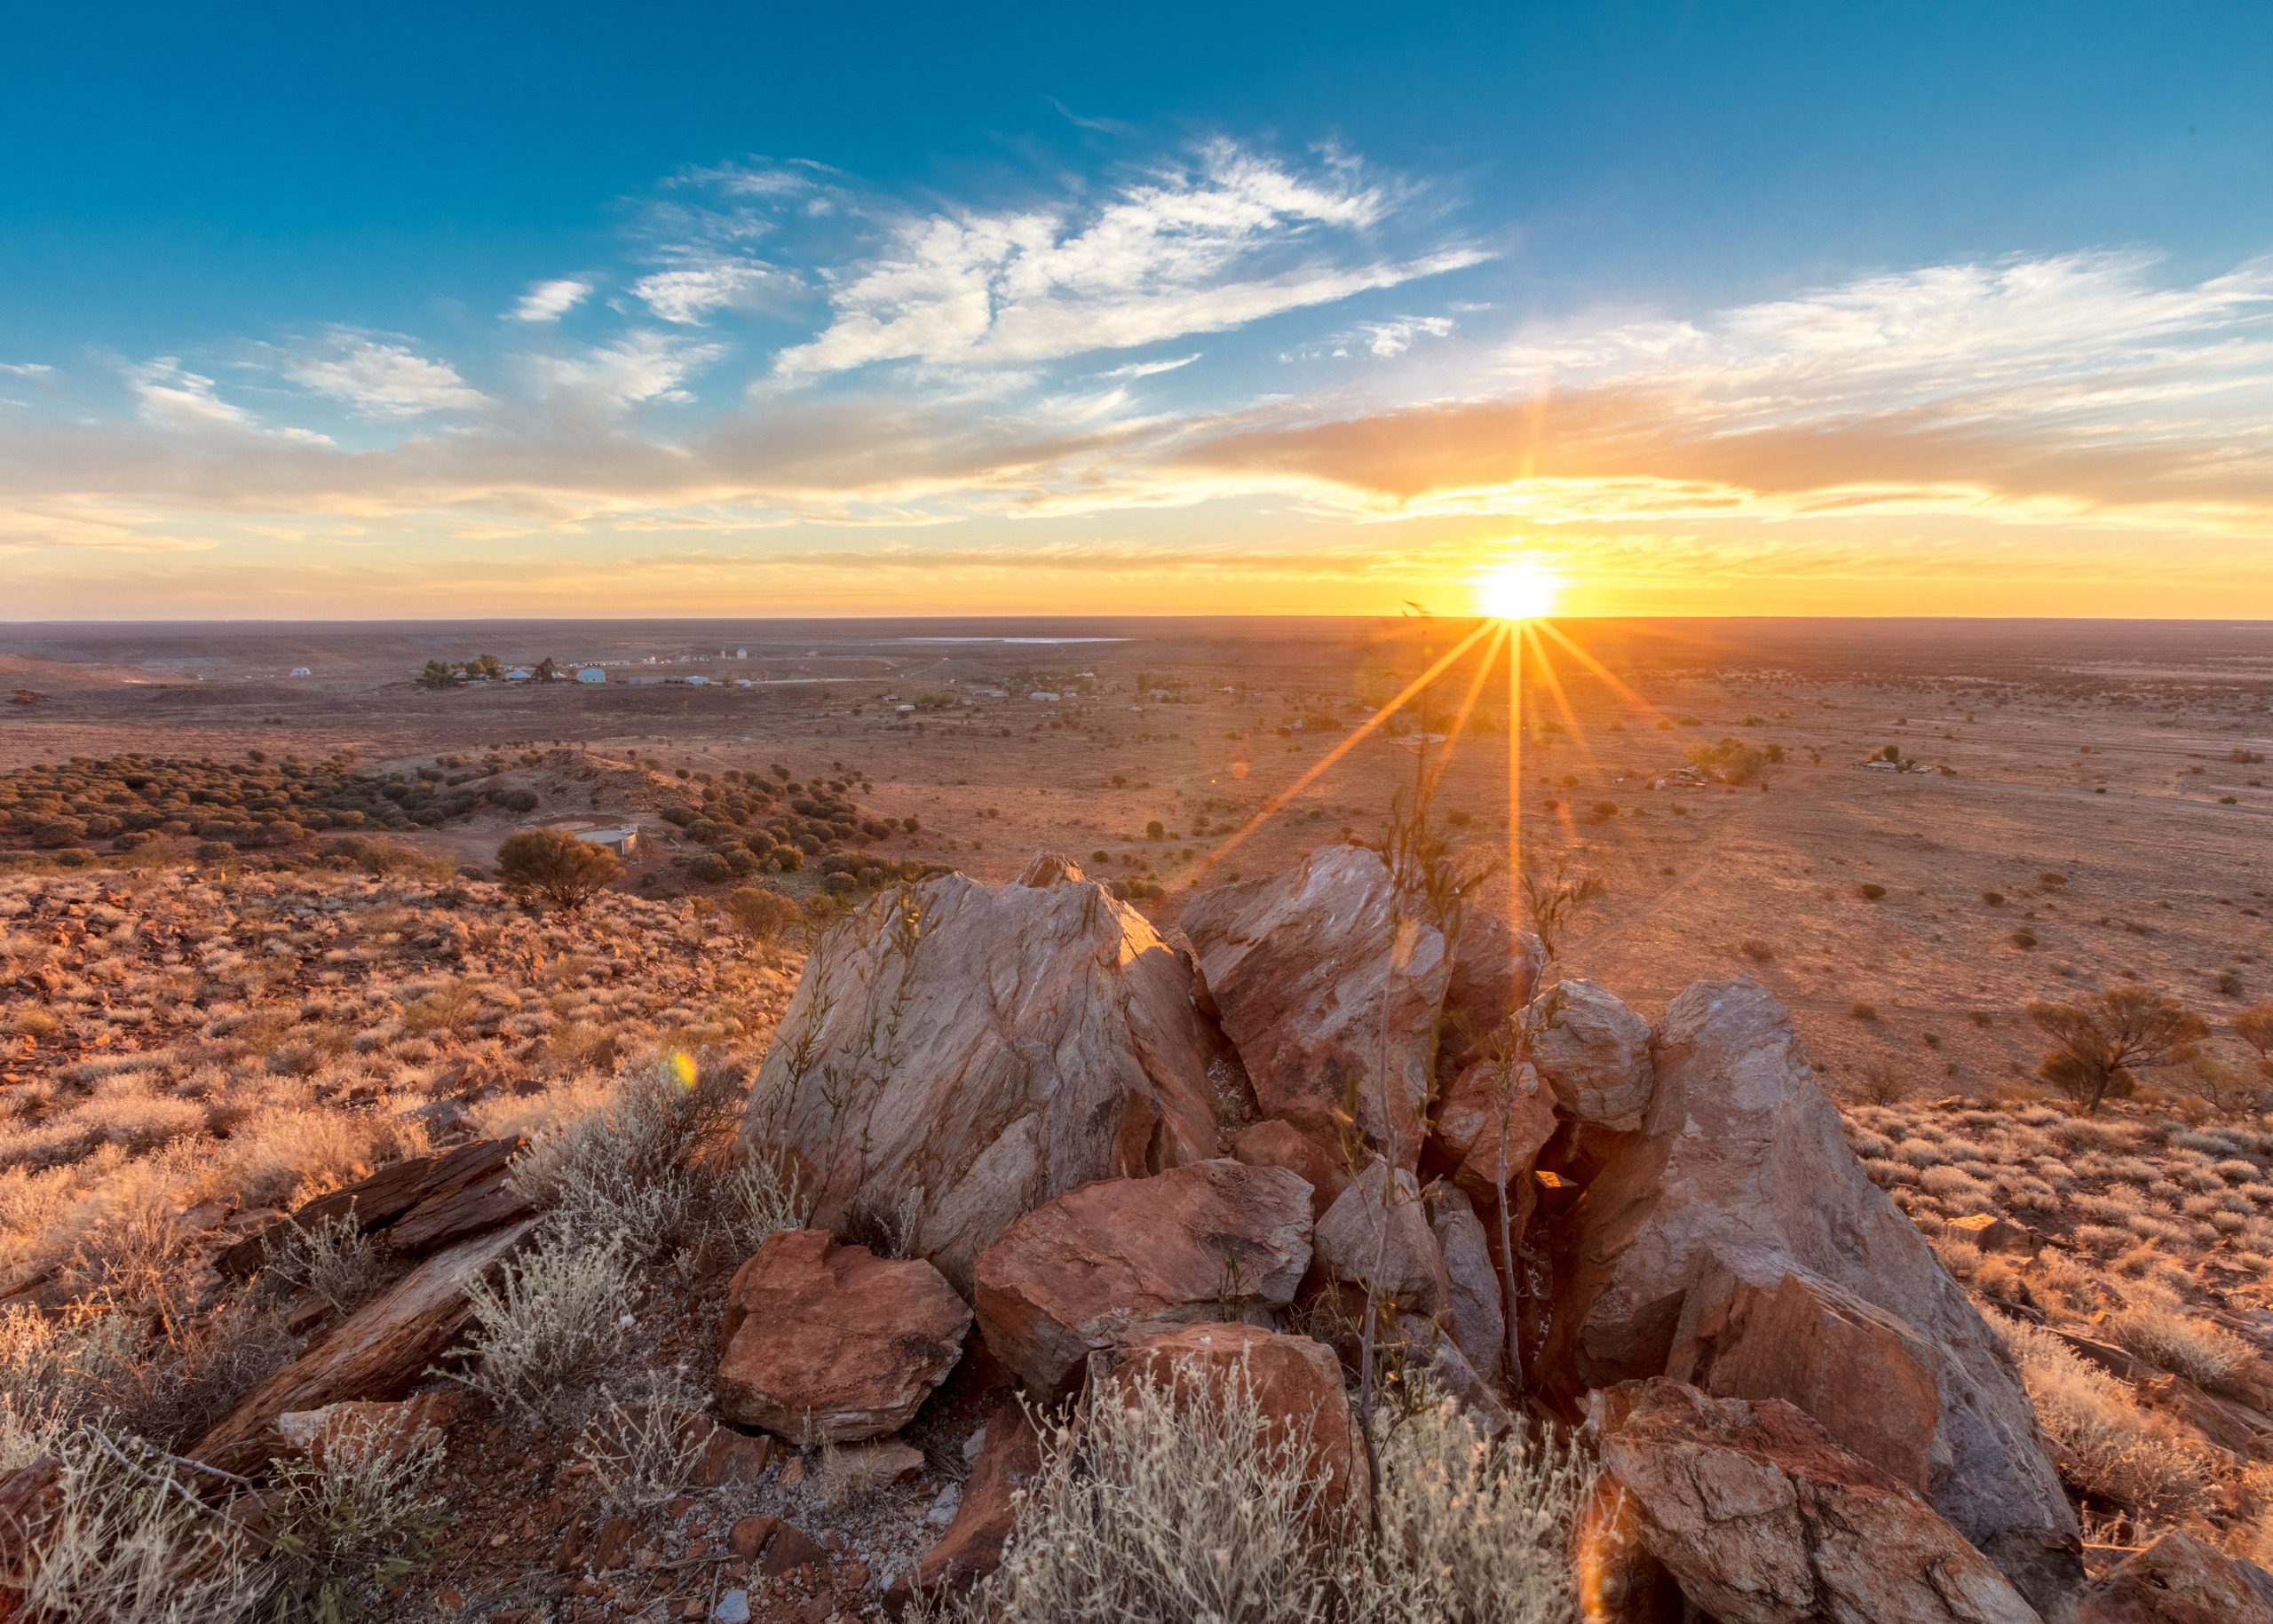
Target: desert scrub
[[2153, 1325], [643, 1447], [332, 1258], [645, 1169], [1189, 1503], [2118, 1451], [350, 1520], [558, 1317]]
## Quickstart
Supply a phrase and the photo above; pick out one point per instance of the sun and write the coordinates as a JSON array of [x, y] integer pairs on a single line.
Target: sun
[[1521, 590]]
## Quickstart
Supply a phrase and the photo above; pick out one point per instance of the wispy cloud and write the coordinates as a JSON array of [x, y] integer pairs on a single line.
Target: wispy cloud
[[549, 301], [690, 294], [1229, 238], [641, 366], [26, 368], [382, 380]]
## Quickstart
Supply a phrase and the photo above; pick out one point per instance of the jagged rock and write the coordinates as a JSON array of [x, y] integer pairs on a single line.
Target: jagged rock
[[1376, 1236], [1992, 1233], [1495, 971], [1740, 1172], [828, 1343], [1494, 1120], [356, 1426], [972, 1548], [1274, 1144], [2179, 1579], [1295, 1383], [378, 1351], [1121, 1259], [1594, 1052], [959, 1053], [414, 1187], [1329, 983], [1761, 1519], [1477, 1318]]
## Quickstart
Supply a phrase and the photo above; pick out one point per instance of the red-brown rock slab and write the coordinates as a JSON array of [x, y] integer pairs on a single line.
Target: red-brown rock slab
[[1592, 1053], [392, 1429], [1492, 1124], [381, 1351], [829, 1343], [971, 1546], [1274, 1144], [1116, 1261], [1761, 1519]]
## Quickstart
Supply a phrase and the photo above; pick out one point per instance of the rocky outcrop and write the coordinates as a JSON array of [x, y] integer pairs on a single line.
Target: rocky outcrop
[[958, 1053], [1492, 1123], [1739, 1174], [1119, 1260], [1593, 1052], [1330, 982], [1761, 1519], [828, 1343], [2179, 1579]]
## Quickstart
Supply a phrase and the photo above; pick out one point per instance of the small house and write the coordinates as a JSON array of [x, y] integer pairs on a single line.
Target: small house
[[592, 673], [301, 670]]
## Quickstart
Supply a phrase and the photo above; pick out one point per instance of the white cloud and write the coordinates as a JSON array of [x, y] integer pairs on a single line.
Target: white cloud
[[690, 294], [384, 380], [171, 397], [26, 368], [1233, 239], [1151, 369], [641, 366], [1389, 339], [550, 301]]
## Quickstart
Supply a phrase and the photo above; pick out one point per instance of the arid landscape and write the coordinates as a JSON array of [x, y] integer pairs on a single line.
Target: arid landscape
[[395, 1229]]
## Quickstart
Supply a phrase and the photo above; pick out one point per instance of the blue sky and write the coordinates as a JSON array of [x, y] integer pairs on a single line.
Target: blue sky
[[376, 310]]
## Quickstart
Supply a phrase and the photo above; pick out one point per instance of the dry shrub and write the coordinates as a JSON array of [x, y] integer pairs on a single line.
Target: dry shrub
[[129, 1539], [332, 1257], [558, 1316], [643, 1447], [1189, 1504], [2154, 1326], [2121, 1453], [352, 1521]]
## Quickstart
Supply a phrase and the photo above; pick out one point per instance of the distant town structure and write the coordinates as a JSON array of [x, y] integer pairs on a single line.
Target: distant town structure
[[1043, 696], [301, 670], [592, 673], [519, 673]]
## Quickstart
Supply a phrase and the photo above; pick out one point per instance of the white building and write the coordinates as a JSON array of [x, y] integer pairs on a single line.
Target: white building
[[1042, 696], [519, 673], [697, 682], [301, 670], [592, 673]]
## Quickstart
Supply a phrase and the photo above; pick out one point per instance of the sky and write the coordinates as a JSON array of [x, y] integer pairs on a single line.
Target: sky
[[418, 311]]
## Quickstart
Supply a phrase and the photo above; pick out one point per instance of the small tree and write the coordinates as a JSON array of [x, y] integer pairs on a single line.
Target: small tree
[[555, 865], [762, 915], [438, 675], [484, 667], [2254, 1027], [2100, 1041]]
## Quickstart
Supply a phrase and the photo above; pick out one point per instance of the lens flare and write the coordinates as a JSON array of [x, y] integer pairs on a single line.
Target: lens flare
[[1518, 591]]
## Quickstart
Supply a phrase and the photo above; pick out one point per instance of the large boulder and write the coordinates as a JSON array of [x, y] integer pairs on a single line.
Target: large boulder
[[958, 1053], [1329, 979], [1739, 1175], [1119, 1260], [1376, 1237], [1594, 1052], [2179, 1578], [828, 1343], [1761, 1519]]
